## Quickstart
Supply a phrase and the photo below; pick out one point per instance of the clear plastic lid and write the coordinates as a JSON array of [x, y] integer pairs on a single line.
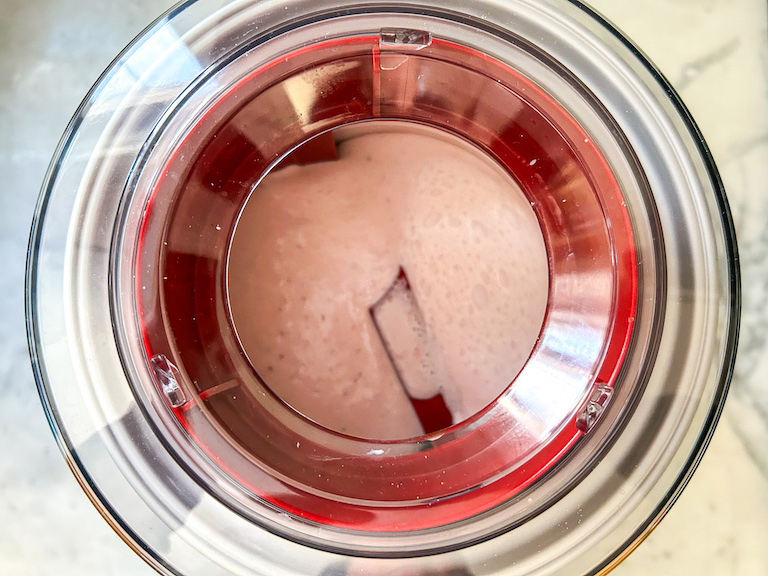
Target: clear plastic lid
[[373, 288]]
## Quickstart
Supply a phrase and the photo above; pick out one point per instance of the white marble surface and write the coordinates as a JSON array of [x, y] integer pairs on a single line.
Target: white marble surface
[[715, 52]]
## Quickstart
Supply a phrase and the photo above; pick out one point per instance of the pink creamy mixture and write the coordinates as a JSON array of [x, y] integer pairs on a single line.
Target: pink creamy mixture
[[315, 296]]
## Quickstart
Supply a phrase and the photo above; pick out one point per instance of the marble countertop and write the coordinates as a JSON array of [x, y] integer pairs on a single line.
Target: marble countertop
[[715, 52]]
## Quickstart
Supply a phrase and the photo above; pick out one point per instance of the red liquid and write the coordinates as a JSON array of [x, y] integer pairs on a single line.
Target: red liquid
[[432, 413]]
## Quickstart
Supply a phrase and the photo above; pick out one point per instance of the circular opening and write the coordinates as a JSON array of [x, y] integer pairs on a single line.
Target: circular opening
[[250, 213], [387, 280]]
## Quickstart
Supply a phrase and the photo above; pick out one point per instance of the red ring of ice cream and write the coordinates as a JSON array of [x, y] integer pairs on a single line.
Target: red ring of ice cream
[[275, 453]]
